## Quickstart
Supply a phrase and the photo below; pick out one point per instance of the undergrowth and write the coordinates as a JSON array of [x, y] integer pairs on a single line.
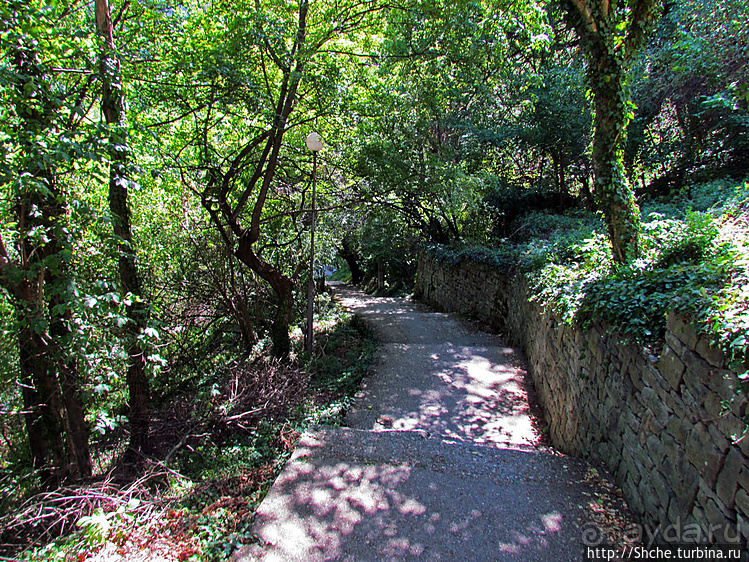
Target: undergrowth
[[221, 446], [695, 260]]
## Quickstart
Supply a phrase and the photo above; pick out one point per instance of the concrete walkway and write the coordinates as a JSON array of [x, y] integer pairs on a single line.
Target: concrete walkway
[[441, 460]]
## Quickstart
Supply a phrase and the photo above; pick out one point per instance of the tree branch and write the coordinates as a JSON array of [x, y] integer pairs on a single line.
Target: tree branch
[[588, 21], [285, 105], [642, 17], [4, 262], [235, 167]]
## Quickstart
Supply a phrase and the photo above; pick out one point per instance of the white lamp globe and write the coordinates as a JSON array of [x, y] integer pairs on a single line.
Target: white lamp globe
[[314, 142]]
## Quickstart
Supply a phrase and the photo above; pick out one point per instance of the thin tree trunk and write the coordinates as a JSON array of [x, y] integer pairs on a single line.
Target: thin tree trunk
[[239, 238], [283, 287], [112, 105], [348, 252], [60, 303], [67, 368]]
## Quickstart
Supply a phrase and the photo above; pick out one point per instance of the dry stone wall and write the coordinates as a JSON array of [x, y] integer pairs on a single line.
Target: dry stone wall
[[667, 424]]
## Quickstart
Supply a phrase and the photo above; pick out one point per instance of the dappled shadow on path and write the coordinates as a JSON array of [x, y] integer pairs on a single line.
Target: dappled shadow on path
[[451, 470], [459, 504], [459, 393], [438, 375]]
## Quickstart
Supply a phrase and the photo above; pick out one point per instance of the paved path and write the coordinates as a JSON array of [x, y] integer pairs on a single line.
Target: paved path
[[441, 460]]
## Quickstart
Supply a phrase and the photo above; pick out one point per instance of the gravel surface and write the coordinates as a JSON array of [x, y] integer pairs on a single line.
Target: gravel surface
[[441, 459]]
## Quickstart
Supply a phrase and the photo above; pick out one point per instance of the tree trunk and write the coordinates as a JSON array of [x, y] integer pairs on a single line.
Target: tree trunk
[[38, 288], [283, 287], [227, 210], [280, 339], [613, 192], [560, 171], [67, 369], [112, 105], [348, 252], [41, 394], [598, 24]]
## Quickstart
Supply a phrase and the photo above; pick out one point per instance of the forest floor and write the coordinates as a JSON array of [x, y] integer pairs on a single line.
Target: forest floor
[[443, 459]]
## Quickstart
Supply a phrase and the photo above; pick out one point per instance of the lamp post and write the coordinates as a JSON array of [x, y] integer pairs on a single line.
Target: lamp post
[[314, 143]]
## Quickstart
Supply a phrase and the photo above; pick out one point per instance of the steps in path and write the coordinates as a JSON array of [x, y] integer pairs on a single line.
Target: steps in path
[[440, 462]]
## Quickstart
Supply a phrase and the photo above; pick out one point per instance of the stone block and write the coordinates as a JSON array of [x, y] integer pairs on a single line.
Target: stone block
[[648, 398], [743, 479], [645, 462], [615, 439], [725, 384], [728, 479], [660, 416], [719, 439], [671, 367], [628, 384], [661, 487], [632, 495], [698, 516], [700, 371], [601, 353], [710, 353], [633, 421], [675, 403], [719, 523], [742, 525], [655, 379], [713, 405], [691, 403], [675, 344], [739, 405], [656, 450], [703, 454], [621, 471], [674, 513], [683, 479], [632, 467], [741, 502], [645, 427], [678, 429], [694, 384], [650, 499], [637, 383], [681, 329]]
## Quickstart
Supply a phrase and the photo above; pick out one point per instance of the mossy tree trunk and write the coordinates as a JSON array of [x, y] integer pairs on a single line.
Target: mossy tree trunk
[[36, 275], [611, 33]]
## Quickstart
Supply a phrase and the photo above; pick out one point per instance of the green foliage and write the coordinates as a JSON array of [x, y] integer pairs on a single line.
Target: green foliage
[[211, 460], [696, 264], [635, 303], [202, 505], [100, 526], [348, 355], [691, 120], [503, 259]]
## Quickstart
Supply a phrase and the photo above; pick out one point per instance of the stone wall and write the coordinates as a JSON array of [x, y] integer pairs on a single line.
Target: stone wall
[[665, 425]]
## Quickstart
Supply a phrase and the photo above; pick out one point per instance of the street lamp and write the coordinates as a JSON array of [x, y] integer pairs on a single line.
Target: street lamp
[[314, 143]]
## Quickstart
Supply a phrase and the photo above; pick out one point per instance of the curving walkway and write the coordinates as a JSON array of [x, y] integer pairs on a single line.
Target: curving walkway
[[438, 376], [440, 459]]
